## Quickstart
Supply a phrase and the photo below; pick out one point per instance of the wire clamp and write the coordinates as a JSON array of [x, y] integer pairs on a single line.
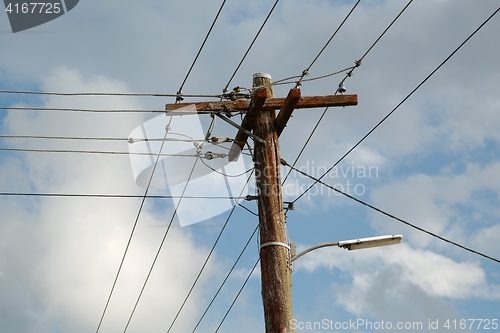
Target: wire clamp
[[275, 244]]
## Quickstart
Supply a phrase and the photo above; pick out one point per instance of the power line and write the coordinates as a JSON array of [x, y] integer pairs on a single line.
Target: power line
[[349, 74], [22, 108], [131, 235], [248, 210], [403, 101], [318, 180], [24, 92], [168, 228], [290, 80], [29, 150], [237, 295], [207, 259], [114, 196], [306, 71], [225, 279], [251, 45], [201, 48], [218, 96], [129, 140], [159, 248], [223, 174], [386, 29]]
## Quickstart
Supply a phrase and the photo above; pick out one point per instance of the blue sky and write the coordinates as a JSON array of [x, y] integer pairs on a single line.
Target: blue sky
[[436, 157]]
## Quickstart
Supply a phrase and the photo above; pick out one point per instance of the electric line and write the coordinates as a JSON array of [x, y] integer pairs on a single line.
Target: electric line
[[22, 108], [168, 228], [160, 247], [251, 45], [403, 101], [207, 259], [223, 174], [23, 92], [290, 80], [218, 96], [349, 74], [386, 29], [306, 71], [29, 150], [131, 235], [201, 48], [248, 210], [129, 140], [318, 180], [237, 295], [114, 196], [225, 279]]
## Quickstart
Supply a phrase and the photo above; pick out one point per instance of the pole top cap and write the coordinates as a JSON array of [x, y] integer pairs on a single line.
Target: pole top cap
[[262, 74]]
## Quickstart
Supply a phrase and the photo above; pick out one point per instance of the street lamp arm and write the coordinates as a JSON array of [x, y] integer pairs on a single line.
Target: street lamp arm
[[353, 244], [294, 257]]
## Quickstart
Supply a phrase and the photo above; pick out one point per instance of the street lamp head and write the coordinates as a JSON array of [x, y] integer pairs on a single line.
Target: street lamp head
[[363, 243]]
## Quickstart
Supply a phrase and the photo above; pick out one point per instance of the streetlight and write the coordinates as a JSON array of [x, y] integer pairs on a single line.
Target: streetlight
[[353, 244]]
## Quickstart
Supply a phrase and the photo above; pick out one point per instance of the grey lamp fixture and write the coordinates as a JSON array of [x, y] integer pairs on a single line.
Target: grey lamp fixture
[[353, 244]]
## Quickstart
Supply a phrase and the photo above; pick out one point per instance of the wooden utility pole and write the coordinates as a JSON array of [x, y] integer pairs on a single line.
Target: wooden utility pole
[[274, 245], [261, 118]]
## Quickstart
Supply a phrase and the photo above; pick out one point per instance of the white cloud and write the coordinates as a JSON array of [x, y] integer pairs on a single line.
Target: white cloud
[[149, 48], [67, 250], [400, 283]]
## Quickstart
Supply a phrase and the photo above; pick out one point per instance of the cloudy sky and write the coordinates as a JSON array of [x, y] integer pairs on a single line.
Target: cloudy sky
[[433, 163]]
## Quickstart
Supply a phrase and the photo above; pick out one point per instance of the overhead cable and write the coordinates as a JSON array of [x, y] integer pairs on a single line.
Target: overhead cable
[[160, 247], [306, 71], [101, 152], [403, 101], [113, 196], [131, 235], [226, 278], [208, 134], [207, 259], [318, 180], [103, 94], [251, 45], [349, 74], [237, 295], [201, 48]]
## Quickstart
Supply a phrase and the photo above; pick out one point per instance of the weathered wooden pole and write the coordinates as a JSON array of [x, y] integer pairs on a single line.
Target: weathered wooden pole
[[274, 244]]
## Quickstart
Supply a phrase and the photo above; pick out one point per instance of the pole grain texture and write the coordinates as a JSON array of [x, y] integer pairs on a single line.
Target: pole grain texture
[[275, 259]]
